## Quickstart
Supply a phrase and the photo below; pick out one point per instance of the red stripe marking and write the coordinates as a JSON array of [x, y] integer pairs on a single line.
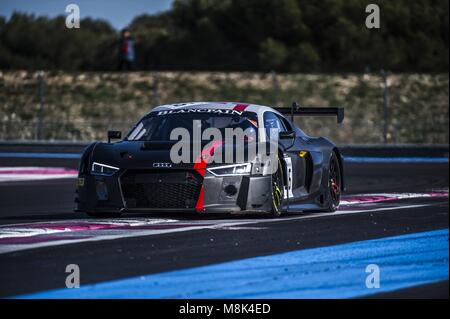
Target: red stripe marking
[[200, 206], [240, 107], [200, 166]]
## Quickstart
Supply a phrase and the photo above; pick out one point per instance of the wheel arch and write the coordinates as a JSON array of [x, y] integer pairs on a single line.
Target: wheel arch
[[85, 159], [283, 164], [341, 166]]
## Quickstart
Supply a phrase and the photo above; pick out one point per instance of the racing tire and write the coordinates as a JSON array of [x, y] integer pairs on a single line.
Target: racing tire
[[277, 187], [334, 183]]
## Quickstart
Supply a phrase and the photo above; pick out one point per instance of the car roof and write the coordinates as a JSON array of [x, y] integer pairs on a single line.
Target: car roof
[[258, 109]]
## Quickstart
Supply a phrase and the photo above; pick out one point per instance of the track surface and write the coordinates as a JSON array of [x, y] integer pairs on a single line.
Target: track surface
[[212, 239]]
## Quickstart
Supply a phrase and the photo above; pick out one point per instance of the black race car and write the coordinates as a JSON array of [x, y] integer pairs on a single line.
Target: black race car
[[268, 166]]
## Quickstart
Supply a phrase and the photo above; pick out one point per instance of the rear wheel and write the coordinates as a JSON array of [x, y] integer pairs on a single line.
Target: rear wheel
[[277, 191], [334, 184], [103, 215]]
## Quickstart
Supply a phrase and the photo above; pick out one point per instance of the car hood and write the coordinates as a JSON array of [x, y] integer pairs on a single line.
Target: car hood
[[132, 154], [139, 155]]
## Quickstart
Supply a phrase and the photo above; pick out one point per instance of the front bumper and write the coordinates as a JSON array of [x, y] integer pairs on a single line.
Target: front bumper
[[228, 194]]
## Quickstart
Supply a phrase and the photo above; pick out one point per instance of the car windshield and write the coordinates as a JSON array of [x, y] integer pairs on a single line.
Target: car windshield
[[156, 127]]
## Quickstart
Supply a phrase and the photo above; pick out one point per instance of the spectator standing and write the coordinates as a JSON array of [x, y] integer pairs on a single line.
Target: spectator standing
[[126, 51]]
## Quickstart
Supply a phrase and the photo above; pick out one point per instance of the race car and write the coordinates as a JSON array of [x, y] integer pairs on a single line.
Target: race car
[[154, 170]]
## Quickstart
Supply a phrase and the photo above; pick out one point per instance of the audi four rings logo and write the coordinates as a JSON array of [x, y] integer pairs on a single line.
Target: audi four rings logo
[[162, 165]]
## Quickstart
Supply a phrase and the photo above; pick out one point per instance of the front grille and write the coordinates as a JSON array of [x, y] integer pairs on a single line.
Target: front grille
[[161, 189]]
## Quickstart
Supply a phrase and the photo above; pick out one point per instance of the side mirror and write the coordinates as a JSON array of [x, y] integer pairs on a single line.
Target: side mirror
[[287, 135], [114, 135]]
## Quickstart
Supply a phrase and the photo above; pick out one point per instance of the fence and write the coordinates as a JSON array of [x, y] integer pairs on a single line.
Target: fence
[[59, 131], [380, 108]]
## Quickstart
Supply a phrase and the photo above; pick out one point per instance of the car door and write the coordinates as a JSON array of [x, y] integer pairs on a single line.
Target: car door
[[275, 121]]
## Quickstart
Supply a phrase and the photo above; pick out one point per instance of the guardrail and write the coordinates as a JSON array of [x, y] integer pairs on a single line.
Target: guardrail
[[396, 150]]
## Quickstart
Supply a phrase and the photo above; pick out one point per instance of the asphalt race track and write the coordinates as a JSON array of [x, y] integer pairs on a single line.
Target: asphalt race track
[[394, 215]]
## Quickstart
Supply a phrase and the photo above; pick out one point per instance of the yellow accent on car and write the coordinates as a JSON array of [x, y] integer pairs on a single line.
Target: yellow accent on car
[[302, 153], [81, 182]]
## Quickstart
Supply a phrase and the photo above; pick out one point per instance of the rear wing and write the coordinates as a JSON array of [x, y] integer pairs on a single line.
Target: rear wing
[[296, 109]]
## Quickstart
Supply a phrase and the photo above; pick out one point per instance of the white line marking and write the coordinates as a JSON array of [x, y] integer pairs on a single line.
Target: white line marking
[[11, 231], [359, 199], [107, 221], [33, 177], [30, 173], [26, 232], [6, 248]]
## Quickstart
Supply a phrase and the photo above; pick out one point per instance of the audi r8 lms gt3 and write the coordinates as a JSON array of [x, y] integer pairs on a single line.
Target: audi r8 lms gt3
[[213, 157]]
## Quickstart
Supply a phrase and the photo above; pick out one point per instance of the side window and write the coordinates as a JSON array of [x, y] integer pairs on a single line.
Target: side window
[[286, 124], [271, 120]]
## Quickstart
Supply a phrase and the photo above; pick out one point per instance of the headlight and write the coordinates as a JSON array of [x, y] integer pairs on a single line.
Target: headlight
[[102, 169], [231, 170]]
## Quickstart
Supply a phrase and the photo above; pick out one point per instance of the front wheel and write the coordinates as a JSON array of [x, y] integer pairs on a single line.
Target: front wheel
[[334, 184], [277, 191]]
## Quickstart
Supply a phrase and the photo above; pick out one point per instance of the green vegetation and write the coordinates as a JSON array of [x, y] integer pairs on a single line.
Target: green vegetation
[[252, 35], [83, 105]]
